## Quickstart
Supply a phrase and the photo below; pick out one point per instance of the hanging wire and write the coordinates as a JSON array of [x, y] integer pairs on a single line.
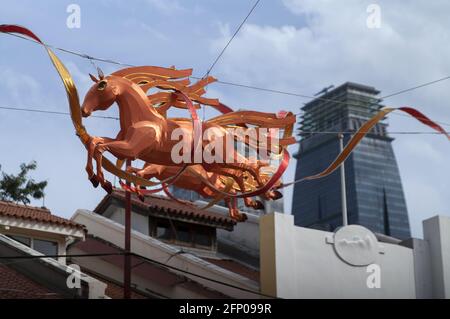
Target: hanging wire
[[37, 110], [153, 261], [91, 58], [231, 39], [116, 118], [387, 133], [96, 68], [85, 56]]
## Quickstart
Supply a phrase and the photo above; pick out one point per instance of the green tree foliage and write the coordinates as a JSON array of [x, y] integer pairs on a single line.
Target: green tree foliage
[[19, 188]]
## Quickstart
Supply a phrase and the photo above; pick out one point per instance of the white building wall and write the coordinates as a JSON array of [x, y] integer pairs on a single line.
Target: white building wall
[[243, 242], [298, 262], [436, 232], [138, 222], [422, 267]]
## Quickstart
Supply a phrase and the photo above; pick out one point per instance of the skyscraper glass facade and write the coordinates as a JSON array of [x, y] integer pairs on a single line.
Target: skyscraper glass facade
[[375, 196]]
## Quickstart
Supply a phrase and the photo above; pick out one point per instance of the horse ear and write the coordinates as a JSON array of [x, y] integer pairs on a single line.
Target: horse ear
[[100, 73], [93, 78]]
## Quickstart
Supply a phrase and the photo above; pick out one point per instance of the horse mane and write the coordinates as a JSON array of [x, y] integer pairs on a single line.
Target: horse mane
[[167, 79], [170, 79]]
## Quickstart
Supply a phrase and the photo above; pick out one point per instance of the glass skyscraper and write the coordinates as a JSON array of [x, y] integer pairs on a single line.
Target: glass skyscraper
[[375, 196]]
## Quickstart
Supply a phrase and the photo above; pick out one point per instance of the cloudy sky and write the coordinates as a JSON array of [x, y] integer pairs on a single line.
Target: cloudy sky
[[292, 45]]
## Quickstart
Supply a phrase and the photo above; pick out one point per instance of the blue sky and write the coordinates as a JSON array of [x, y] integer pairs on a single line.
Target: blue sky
[[292, 45]]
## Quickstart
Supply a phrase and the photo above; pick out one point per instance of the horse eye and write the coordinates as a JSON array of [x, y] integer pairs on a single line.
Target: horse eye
[[101, 85]]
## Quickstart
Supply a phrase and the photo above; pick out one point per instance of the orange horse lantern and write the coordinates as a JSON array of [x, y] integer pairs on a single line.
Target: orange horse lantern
[[146, 134]]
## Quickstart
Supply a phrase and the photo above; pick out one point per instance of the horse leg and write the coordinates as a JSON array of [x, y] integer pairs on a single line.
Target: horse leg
[[89, 167], [235, 161], [98, 155], [251, 165], [242, 164], [137, 187], [273, 195], [148, 172], [238, 177], [90, 153], [133, 170], [130, 147], [255, 204], [233, 211]]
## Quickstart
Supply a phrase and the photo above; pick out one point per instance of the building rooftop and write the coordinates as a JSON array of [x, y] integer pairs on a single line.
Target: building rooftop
[[37, 276], [140, 267], [152, 273], [9, 209], [166, 207], [343, 87], [344, 108], [15, 285]]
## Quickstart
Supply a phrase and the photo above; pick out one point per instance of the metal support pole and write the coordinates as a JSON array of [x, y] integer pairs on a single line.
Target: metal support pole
[[127, 257], [343, 190]]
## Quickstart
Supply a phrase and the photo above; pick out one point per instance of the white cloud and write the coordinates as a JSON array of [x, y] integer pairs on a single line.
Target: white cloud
[[81, 79], [423, 209], [21, 87], [153, 32], [421, 148], [166, 6]]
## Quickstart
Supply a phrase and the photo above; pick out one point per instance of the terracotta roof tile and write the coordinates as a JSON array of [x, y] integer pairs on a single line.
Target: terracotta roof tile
[[174, 209], [9, 209], [14, 285]]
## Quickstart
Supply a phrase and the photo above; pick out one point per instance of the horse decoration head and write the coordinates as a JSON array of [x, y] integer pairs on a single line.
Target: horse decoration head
[[101, 95], [106, 90]]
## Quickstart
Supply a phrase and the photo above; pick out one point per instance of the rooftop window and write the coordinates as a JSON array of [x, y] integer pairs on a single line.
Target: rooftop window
[[46, 247], [182, 233]]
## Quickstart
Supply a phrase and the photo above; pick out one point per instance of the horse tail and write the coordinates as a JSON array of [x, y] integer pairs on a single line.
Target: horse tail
[[282, 120]]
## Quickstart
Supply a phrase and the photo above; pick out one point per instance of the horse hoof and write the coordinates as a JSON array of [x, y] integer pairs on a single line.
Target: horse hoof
[[258, 205], [242, 217], [107, 187], [276, 195], [94, 180], [238, 216]]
